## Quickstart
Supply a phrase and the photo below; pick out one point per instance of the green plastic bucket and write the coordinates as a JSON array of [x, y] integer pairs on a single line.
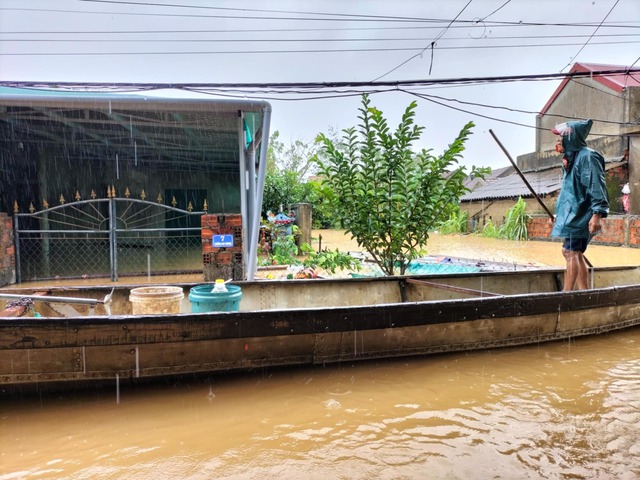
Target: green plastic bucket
[[204, 300]]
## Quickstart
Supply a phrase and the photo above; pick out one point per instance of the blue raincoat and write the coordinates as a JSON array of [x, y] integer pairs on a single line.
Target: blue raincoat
[[584, 190]]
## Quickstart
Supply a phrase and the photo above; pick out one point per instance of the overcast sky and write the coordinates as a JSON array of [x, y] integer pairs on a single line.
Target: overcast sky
[[178, 41]]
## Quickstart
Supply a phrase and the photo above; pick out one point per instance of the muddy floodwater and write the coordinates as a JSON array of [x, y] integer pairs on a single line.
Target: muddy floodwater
[[537, 253], [563, 410]]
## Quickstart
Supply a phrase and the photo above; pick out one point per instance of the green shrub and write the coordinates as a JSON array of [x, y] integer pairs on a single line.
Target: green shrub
[[515, 224]]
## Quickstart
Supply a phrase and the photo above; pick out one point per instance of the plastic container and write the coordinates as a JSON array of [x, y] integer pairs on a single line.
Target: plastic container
[[219, 286], [156, 300], [204, 299]]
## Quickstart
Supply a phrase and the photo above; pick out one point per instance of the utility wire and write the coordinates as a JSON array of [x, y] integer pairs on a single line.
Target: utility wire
[[509, 109], [278, 30], [307, 40], [488, 117], [594, 32], [241, 93], [321, 85], [495, 11], [432, 45], [367, 19], [318, 50]]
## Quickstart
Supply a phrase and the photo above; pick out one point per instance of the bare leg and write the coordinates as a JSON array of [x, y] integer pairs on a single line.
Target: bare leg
[[583, 272], [571, 273]]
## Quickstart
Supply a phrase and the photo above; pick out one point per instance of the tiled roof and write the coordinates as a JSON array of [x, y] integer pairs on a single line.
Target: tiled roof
[[544, 182]]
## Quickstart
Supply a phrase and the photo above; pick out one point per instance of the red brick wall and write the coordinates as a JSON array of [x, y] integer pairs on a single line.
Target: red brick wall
[[539, 228], [222, 263], [634, 231], [617, 230], [7, 250], [613, 231]]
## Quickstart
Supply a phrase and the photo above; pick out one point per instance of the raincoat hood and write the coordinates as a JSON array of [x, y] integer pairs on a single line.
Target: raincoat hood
[[574, 134]]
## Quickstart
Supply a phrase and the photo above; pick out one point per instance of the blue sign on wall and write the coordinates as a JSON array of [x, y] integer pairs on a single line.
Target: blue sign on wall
[[223, 241]]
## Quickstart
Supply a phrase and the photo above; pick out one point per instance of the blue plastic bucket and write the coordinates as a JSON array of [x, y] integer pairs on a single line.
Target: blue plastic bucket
[[204, 300]]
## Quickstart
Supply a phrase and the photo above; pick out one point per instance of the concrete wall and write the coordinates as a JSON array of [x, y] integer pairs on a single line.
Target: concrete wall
[[579, 99], [610, 147]]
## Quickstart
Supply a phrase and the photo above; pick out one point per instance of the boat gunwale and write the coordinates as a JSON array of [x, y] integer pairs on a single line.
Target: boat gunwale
[[300, 321]]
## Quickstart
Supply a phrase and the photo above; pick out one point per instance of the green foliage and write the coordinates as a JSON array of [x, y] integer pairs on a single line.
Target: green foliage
[[282, 188], [490, 230], [318, 195], [385, 194], [287, 180], [329, 260], [297, 157], [614, 191], [515, 224], [455, 224], [284, 250]]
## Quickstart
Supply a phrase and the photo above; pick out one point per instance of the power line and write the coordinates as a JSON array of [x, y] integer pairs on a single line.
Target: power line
[[243, 93], [488, 117], [297, 51], [509, 109], [495, 11], [362, 18], [307, 40], [328, 90], [96, 86], [432, 45], [594, 32], [278, 30]]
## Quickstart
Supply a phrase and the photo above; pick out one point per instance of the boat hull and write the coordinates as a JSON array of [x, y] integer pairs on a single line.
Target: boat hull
[[36, 351]]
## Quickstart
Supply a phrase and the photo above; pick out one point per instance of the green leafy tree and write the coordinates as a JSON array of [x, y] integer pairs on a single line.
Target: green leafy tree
[[289, 179], [282, 188], [287, 170], [385, 194]]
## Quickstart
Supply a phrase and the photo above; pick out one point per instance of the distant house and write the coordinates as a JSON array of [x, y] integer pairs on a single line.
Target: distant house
[[612, 100], [491, 201]]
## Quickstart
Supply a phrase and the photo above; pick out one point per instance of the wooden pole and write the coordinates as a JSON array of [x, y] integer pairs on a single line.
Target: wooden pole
[[524, 179]]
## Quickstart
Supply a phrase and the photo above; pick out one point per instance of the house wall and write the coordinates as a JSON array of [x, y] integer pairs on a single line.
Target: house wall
[[584, 98], [480, 212], [496, 210], [610, 147]]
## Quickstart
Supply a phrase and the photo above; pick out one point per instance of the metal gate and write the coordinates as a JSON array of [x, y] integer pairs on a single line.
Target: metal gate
[[109, 237]]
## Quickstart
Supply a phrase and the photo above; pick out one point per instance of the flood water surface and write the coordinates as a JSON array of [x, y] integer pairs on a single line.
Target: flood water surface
[[536, 253], [563, 410]]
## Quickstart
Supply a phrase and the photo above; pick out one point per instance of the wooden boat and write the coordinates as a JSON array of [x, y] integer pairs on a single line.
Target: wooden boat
[[297, 322]]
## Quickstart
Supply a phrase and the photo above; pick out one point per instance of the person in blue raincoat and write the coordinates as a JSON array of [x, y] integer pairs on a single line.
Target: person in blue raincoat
[[583, 201]]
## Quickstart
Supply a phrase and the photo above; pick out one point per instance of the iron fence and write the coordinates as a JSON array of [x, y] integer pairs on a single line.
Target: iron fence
[[107, 238]]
